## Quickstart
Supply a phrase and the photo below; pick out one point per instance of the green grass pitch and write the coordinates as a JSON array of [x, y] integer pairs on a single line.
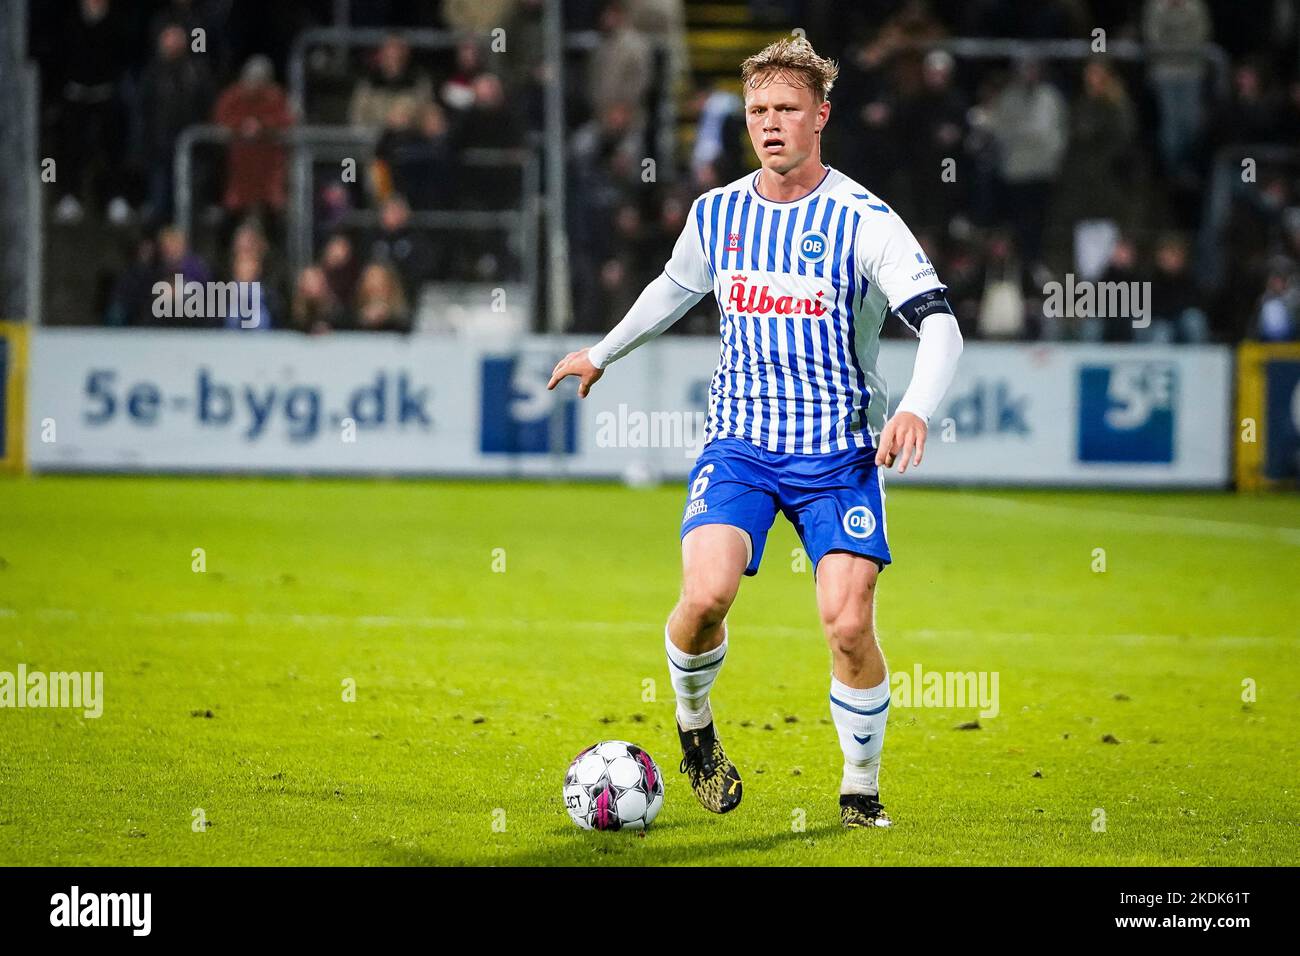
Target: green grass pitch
[[475, 686]]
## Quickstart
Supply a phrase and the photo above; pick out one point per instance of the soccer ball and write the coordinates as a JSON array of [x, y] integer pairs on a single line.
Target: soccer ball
[[613, 785]]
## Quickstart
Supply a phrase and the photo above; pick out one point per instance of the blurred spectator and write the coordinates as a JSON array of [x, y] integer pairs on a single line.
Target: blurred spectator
[[132, 295], [381, 303], [249, 240], [183, 13], [886, 78], [175, 259], [620, 69], [617, 289], [1030, 123], [415, 156], [1277, 318], [399, 128], [393, 76], [719, 151], [1122, 267], [607, 147], [254, 109], [671, 220], [529, 71], [1175, 311], [340, 268], [863, 131], [315, 310], [1003, 303], [935, 114], [634, 247], [91, 59], [333, 205], [175, 91], [1095, 182], [604, 171], [258, 311], [1175, 31], [1290, 122], [457, 91], [982, 154], [962, 271], [906, 35], [1252, 114], [662, 24], [409, 252], [490, 122]]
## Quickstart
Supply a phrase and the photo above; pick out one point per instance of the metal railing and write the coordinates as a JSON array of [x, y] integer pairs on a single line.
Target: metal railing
[[308, 145], [343, 38], [1132, 51], [555, 43]]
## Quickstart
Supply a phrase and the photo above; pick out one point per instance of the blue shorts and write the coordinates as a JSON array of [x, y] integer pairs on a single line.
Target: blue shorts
[[835, 501]]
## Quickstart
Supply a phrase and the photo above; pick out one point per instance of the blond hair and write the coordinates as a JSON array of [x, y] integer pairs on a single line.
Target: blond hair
[[791, 57]]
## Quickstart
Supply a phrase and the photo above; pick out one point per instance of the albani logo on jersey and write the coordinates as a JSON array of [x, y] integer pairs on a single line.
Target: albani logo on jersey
[[749, 299]]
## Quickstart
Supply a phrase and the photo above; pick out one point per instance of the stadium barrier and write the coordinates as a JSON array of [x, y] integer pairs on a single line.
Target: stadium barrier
[[1268, 415], [213, 401]]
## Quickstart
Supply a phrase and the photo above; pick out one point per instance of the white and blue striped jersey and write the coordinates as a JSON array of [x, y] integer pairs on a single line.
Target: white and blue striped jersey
[[804, 288]]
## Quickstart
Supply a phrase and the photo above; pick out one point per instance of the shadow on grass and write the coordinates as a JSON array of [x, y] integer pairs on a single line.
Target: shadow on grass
[[568, 846]]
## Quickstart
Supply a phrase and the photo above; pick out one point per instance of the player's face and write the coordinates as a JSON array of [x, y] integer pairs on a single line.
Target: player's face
[[783, 120]]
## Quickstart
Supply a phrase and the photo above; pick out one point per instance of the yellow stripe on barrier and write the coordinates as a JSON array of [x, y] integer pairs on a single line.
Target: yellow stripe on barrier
[[1252, 422], [14, 334]]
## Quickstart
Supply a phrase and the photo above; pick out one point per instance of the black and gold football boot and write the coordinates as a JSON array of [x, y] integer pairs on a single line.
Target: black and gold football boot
[[713, 777], [860, 810]]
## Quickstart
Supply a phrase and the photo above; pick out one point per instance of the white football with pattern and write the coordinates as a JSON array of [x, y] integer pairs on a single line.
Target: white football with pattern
[[614, 785]]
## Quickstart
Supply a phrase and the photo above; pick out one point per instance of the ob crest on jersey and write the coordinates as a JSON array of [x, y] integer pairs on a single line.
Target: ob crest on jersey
[[813, 246]]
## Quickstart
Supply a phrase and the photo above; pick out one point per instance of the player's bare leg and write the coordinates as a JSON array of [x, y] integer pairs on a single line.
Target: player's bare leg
[[713, 560], [846, 588]]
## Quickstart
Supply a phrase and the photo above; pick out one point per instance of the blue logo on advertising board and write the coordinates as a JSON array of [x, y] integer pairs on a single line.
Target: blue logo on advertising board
[[1126, 412], [519, 415]]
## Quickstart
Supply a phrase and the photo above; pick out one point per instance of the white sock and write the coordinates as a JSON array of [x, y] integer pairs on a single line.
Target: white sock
[[859, 716], [692, 676]]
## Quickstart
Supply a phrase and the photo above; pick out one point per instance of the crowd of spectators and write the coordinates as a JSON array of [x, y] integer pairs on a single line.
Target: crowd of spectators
[[1013, 172], [1093, 168], [113, 121]]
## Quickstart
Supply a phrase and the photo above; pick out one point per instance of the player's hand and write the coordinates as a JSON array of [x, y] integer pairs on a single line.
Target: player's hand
[[576, 363], [903, 438]]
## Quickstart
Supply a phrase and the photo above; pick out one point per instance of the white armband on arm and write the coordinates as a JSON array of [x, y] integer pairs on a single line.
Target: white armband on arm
[[936, 363], [660, 304]]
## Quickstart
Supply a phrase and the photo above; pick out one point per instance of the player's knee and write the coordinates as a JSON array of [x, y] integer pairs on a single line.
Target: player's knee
[[705, 605], [850, 632]]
